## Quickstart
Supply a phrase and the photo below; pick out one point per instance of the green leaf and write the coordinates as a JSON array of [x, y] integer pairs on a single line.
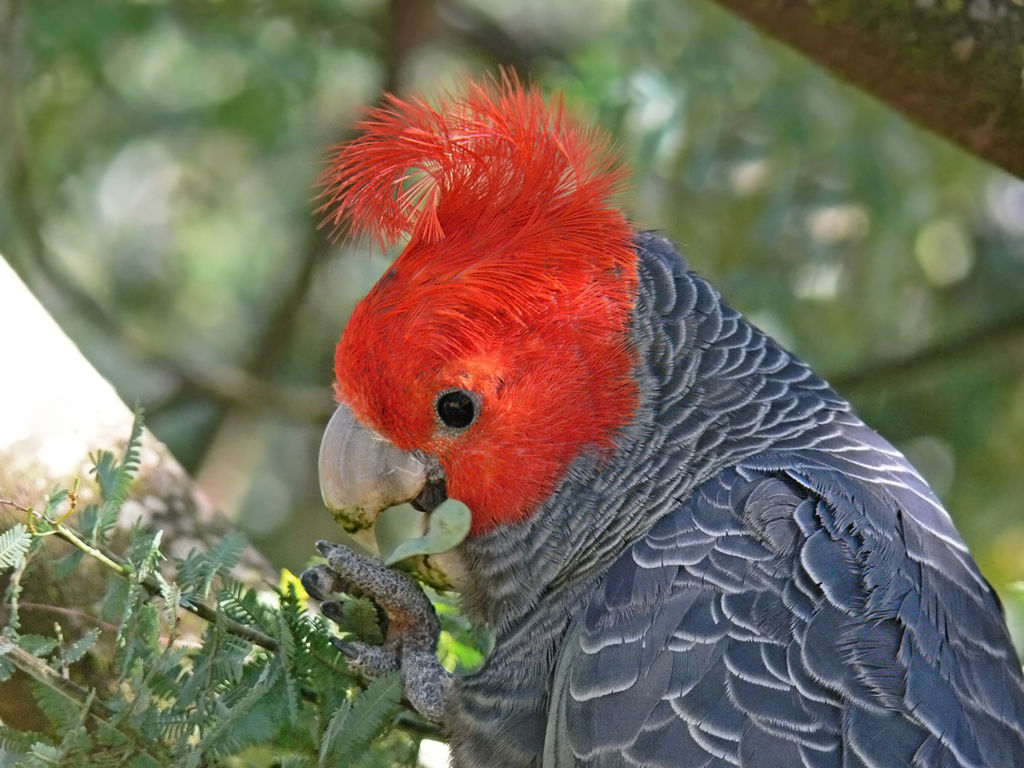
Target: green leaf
[[53, 502], [115, 478], [145, 553], [47, 753], [59, 710], [37, 645], [225, 555], [14, 543], [198, 571], [243, 605], [226, 735], [171, 593], [359, 616], [6, 668], [457, 656], [80, 647], [191, 571], [75, 742], [296, 761], [333, 733], [286, 652], [18, 742], [355, 724], [118, 602], [447, 527], [67, 565]]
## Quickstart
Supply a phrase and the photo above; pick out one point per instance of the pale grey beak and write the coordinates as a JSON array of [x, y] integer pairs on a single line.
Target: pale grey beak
[[363, 473]]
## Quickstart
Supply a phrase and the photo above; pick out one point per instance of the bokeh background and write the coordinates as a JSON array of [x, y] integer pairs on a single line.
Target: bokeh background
[[159, 163]]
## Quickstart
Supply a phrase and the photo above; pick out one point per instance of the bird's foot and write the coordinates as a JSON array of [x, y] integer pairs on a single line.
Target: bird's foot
[[411, 625]]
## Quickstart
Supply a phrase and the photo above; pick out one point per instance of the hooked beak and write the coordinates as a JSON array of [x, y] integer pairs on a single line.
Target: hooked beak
[[363, 473]]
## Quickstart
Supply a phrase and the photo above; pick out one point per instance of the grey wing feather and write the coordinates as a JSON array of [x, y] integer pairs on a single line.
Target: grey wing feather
[[790, 618]]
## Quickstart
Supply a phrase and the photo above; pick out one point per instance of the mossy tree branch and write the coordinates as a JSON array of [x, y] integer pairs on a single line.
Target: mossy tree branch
[[956, 68]]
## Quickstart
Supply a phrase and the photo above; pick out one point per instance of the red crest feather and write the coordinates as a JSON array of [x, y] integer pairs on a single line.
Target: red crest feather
[[493, 155]]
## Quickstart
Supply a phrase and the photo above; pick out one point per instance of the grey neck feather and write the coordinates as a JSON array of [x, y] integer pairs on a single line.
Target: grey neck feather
[[714, 390]]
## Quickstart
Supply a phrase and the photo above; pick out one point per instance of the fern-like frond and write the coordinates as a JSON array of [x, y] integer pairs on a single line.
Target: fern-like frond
[[198, 571], [16, 742], [242, 604], [286, 654], [360, 617], [225, 555], [80, 647], [59, 710], [225, 735], [353, 727], [115, 478], [296, 761], [14, 543]]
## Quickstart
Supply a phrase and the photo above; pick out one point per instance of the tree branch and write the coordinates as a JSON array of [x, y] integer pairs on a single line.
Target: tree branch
[[954, 68], [945, 352]]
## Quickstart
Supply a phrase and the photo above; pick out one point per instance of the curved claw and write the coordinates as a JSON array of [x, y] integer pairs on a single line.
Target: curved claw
[[367, 660], [412, 627], [318, 581], [408, 612]]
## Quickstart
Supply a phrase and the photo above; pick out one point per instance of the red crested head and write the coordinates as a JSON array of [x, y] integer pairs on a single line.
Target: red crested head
[[516, 288]]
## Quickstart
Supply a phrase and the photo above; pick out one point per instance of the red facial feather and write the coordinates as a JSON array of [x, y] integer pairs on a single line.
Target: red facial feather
[[517, 283]]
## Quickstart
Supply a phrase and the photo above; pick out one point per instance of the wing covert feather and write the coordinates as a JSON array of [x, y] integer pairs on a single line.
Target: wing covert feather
[[772, 620]]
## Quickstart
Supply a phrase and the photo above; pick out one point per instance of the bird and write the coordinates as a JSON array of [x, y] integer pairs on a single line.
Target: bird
[[689, 548]]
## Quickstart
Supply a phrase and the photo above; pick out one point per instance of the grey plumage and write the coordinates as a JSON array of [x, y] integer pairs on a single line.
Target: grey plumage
[[755, 578]]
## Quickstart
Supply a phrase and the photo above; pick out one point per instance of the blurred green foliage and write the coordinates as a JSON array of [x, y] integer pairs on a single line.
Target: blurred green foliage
[[159, 162], [254, 683]]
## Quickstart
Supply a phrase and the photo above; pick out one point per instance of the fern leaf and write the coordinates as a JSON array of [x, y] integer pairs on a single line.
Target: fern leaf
[[67, 565], [76, 742], [296, 761], [174, 727], [145, 552], [223, 738], [360, 617], [80, 647], [286, 652], [14, 543], [171, 594], [225, 555], [46, 754], [353, 727], [242, 604], [191, 571], [6, 670], [53, 502], [63, 713], [198, 571], [115, 478], [16, 742], [333, 733], [37, 645]]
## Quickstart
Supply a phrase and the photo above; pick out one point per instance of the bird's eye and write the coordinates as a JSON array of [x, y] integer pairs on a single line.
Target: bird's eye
[[456, 408]]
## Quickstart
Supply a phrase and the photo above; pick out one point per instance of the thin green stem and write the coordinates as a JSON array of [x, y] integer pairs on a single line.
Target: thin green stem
[[72, 538], [152, 584]]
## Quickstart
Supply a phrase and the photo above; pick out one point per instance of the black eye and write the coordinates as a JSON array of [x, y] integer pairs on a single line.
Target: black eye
[[456, 408]]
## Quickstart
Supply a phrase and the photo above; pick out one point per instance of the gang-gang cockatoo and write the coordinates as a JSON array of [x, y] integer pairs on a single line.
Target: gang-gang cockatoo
[[690, 550]]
